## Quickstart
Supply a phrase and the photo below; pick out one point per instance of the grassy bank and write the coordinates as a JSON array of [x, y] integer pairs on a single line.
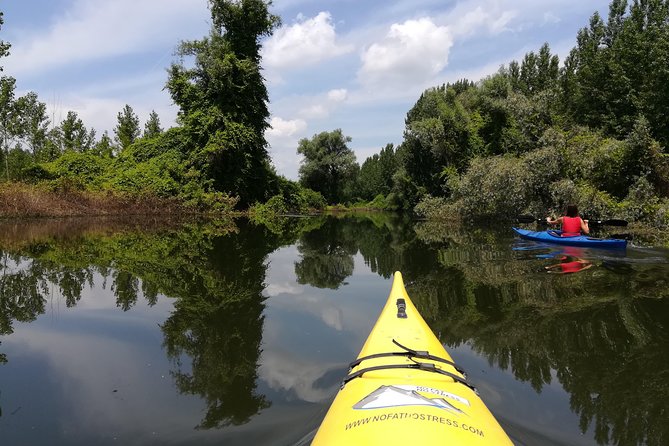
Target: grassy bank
[[18, 200]]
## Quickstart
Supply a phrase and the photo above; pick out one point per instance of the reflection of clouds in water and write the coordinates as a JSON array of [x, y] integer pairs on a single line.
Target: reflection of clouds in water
[[283, 371], [275, 289], [120, 386], [311, 371], [287, 294], [333, 317]]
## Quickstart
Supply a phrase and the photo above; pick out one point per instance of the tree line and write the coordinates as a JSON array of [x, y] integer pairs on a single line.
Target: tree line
[[215, 158], [537, 134], [533, 136]]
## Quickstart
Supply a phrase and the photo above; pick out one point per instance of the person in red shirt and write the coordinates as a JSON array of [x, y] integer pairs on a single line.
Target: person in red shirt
[[572, 224]]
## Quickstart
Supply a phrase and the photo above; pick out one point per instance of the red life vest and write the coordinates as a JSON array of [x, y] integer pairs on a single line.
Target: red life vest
[[571, 226]]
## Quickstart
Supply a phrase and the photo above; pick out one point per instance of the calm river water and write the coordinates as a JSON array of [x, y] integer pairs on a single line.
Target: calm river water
[[141, 333]]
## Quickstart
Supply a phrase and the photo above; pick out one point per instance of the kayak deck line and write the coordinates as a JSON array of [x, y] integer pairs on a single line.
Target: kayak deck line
[[426, 366], [396, 395], [409, 353]]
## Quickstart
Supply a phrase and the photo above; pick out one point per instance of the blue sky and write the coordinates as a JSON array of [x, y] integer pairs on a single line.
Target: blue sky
[[358, 65]]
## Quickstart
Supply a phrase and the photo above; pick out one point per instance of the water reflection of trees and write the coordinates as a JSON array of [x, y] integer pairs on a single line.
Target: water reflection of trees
[[602, 334], [327, 255], [215, 273], [383, 240], [218, 324]]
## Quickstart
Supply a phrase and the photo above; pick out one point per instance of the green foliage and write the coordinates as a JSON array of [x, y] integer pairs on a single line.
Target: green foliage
[[73, 134], [292, 199], [32, 124], [493, 187], [298, 199], [223, 100], [591, 202], [641, 203], [84, 168], [329, 165], [161, 175], [405, 193], [36, 173], [275, 207], [440, 132], [376, 173], [127, 127], [436, 208], [380, 202], [618, 70], [152, 126], [311, 199]]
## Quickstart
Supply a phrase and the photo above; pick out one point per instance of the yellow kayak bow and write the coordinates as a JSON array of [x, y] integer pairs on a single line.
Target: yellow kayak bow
[[404, 388]]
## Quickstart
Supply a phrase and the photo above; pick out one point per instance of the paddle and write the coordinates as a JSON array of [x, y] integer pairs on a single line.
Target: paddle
[[612, 222]]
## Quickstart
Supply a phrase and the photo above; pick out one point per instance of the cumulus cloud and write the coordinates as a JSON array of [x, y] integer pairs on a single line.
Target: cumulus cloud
[[283, 137], [305, 43], [281, 128], [411, 52]]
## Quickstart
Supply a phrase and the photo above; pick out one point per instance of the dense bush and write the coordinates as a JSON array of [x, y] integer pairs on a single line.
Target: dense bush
[[436, 208], [161, 175], [82, 167], [493, 187]]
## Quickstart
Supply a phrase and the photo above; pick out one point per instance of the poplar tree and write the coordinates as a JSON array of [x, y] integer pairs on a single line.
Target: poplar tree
[[152, 126], [127, 129]]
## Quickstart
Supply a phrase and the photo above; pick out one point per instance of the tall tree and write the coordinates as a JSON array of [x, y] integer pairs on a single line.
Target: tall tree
[[376, 173], [152, 126], [7, 115], [618, 70], [127, 128], [104, 147], [440, 134], [223, 99], [75, 136], [7, 85], [33, 123], [548, 68], [329, 165]]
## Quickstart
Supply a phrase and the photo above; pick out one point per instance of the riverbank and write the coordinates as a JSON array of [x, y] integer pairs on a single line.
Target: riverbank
[[18, 200]]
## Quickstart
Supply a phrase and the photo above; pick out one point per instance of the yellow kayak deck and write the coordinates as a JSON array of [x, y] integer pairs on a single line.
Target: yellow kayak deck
[[404, 389]]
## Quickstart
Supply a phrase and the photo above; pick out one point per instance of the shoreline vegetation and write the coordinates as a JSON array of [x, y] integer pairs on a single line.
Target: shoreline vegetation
[[538, 134], [19, 200]]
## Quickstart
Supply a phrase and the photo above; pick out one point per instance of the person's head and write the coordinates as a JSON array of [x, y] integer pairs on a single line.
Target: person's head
[[572, 211]]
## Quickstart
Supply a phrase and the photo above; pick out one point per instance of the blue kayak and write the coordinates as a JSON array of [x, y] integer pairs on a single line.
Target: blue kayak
[[577, 240]]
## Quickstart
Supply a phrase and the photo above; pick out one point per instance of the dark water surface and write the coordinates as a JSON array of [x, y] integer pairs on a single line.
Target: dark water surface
[[231, 333]]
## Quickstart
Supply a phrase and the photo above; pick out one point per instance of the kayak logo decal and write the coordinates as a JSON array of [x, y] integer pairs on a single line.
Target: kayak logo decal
[[393, 396]]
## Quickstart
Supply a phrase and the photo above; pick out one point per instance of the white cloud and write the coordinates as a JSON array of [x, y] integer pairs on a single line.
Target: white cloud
[[304, 43], [281, 128], [283, 137], [482, 18], [338, 95], [411, 53], [92, 30]]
